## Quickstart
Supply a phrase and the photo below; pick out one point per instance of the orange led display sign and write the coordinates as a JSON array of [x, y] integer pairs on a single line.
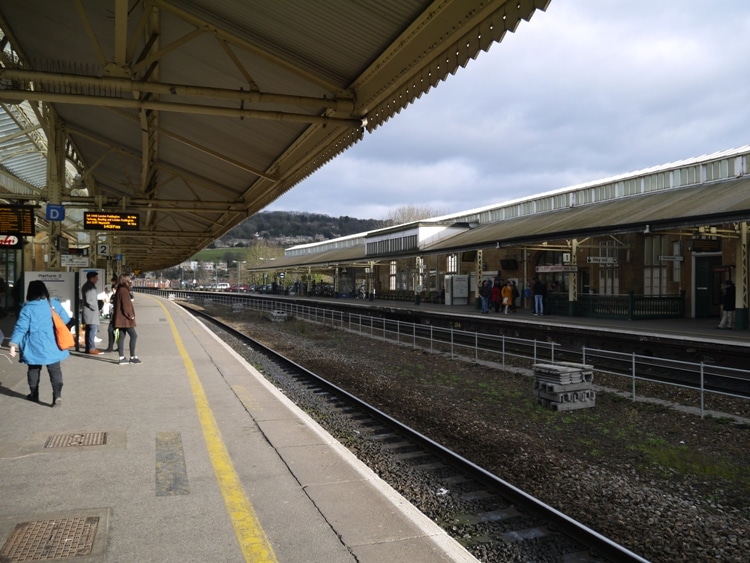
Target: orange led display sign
[[93, 221]]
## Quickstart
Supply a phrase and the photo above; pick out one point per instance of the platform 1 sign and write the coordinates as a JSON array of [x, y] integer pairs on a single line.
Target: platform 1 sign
[[95, 221]]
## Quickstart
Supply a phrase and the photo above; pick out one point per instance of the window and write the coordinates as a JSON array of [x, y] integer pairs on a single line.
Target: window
[[391, 245], [605, 192], [654, 271], [585, 196], [420, 273], [686, 176], [676, 265], [451, 265], [392, 276], [609, 281], [720, 169], [609, 274], [655, 182]]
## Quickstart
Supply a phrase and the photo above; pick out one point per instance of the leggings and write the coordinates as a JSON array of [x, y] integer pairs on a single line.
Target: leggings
[[121, 341]]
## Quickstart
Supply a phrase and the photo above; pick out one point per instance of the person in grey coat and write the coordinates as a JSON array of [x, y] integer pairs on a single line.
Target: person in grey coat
[[34, 336], [90, 311]]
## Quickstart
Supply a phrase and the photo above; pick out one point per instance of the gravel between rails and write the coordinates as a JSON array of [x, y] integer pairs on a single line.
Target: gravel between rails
[[660, 481]]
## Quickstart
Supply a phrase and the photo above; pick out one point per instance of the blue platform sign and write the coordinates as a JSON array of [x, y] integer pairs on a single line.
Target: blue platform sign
[[55, 212]]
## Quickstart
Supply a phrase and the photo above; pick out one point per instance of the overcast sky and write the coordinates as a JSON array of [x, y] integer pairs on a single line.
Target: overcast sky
[[586, 90]]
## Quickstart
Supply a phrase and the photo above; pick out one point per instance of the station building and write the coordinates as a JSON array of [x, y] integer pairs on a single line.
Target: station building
[[654, 243]]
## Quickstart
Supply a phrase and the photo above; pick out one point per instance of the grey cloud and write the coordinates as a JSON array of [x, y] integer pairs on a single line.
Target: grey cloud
[[589, 89]]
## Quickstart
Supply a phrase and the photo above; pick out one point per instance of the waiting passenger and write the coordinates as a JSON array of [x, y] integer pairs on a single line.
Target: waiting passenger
[[123, 318], [496, 296], [540, 290], [728, 305], [507, 293]]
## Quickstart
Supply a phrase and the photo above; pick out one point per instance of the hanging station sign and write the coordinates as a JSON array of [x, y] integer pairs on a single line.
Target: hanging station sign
[[702, 243], [106, 221], [609, 260], [555, 268], [17, 220]]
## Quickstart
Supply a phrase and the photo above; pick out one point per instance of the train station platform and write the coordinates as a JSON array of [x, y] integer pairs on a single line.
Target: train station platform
[[685, 328], [190, 456]]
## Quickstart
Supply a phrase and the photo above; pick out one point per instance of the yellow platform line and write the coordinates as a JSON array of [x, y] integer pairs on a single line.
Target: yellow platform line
[[253, 541]]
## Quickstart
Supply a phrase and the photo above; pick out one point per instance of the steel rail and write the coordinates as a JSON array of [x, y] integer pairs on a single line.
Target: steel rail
[[599, 544]]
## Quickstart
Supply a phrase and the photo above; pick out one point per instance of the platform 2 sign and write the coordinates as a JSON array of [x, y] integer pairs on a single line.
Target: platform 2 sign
[[93, 221], [17, 220]]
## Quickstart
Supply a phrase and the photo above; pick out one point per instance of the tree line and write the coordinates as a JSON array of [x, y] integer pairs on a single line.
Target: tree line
[[279, 224]]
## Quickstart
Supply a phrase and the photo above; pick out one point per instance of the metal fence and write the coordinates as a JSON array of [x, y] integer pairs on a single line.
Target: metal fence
[[628, 306], [498, 349], [696, 376]]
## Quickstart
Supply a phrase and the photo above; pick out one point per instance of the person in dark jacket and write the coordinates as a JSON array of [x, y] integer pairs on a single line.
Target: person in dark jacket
[[111, 327], [496, 296], [728, 305], [34, 336], [123, 319]]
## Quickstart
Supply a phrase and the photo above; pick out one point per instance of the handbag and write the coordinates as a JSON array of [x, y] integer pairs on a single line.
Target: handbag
[[63, 336]]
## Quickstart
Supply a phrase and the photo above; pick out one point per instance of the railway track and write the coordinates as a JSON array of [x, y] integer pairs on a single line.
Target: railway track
[[707, 366], [493, 519]]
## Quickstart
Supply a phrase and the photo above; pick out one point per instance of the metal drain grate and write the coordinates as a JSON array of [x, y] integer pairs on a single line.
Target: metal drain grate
[[67, 440], [43, 540]]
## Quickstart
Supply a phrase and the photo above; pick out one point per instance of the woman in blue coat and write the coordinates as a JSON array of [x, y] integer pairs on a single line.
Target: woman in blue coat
[[34, 336]]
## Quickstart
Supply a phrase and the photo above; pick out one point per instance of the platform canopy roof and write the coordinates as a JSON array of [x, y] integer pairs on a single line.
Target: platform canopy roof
[[689, 197], [196, 114]]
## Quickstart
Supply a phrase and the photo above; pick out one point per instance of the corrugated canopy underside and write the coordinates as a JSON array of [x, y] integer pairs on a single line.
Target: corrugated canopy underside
[[199, 113]]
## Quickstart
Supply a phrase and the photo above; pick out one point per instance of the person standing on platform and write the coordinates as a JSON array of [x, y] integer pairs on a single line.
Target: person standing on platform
[[540, 290], [484, 294], [496, 296], [111, 327], [90, 311], [727, 305], [34, 336], [123, 319], [507, 293]]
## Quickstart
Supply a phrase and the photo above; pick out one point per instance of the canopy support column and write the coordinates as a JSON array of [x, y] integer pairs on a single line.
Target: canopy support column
[[573, 279], [741, 315]]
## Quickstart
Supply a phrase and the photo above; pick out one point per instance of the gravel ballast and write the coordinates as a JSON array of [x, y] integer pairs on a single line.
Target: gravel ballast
[[652, 476]]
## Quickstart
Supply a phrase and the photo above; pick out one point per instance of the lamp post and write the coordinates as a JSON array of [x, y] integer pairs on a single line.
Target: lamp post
[[239, 273]]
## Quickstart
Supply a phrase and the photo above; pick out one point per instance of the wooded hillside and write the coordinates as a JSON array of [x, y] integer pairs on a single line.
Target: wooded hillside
[[285, 224]]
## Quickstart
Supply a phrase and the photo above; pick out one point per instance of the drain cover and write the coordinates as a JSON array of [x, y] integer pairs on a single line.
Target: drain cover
[[67, 440], [43, 540]]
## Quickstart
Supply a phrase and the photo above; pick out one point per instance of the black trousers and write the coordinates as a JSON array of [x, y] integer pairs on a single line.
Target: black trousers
[[55, 377], [111, 336]]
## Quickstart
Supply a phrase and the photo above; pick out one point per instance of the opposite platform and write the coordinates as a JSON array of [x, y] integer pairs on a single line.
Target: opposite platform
[[190, 456]]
